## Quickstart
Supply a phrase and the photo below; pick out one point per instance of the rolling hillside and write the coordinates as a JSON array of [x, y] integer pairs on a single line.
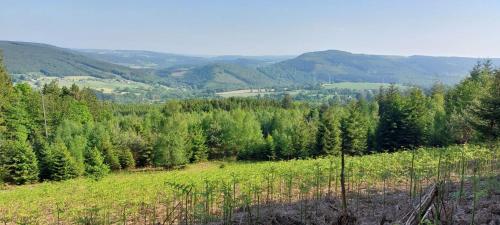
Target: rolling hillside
[[159, 60], [142, 59], [221, 76], [340, 66], [47, 60], [233, 72]]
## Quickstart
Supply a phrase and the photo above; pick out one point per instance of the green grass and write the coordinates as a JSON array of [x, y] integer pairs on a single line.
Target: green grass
[[115, 85], [128, 193], [360, 85]]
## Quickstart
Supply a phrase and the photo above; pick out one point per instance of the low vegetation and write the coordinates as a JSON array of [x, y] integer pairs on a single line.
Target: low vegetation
[[209, 192]]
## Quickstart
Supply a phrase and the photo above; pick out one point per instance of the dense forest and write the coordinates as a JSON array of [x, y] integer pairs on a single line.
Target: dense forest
[[62, 133]]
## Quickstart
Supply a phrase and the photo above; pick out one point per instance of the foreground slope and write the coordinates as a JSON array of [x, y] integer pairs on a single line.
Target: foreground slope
[[152, 196]]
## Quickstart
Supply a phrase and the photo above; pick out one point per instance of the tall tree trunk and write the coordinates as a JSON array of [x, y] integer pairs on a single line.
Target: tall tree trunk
[[342, 183]]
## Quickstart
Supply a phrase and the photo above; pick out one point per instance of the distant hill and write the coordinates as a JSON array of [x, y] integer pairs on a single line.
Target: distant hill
[[222, 76], [142, 59], [159, 60], [339, 66], [233, 72], [48, 60]]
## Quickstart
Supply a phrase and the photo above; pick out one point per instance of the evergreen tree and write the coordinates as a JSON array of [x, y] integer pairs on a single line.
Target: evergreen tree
[[100, 139], [6, 91], [61, 165], [287, 101], [94, 164], [438, 133], [488, 111], [18, 163], [269, 148], [463, 100], [418, 120], [354, 131], [126, 159], [329, 134], [198, 149], [391, 120], [110, 154]]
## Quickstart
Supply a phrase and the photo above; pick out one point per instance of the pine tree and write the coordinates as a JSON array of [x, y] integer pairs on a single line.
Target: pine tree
[[198, 149], [61, 165], [94, 164], [438, 133], [126, 159], [463, 100], [100, 139], [18, 163], [329, 139], [110, 156], [488, 112], [269, 149], [391, 119], [354, 131], [6, 91]]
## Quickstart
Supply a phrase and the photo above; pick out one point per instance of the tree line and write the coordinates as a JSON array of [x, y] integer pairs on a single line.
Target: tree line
[[60, 133]]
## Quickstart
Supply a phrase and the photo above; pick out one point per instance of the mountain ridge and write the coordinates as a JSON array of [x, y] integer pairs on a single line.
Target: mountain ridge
[[234, 71]]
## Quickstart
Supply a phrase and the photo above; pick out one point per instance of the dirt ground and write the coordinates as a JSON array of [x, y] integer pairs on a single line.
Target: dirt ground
[[377, 208]]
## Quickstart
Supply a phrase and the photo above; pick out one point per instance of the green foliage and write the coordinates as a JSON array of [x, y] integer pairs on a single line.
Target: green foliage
[[354, 131], [488, 112], [171, 144], [293, 134], [462, 102], [65, 127], [18, 162], [100, 139], [405, 120], [126, 159], [198, 150], [94, 164], [6, 90], [24, 57], [61, 165], [329, 133]]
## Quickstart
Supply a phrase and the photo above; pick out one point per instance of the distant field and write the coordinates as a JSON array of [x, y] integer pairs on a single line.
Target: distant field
[[246, 93], [358, 85], [104, 85]]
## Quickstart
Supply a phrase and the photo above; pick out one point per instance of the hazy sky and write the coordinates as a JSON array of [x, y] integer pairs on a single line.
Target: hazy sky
[[260, 27]]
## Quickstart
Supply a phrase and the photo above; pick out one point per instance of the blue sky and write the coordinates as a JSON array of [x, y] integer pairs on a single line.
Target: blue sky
[[260, 27]]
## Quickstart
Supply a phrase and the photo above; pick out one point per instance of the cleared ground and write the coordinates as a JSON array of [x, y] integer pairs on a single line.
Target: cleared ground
[[217, 191]]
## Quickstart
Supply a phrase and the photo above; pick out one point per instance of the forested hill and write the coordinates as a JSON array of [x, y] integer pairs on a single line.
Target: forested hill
[[160, 60], [48, 60], [233, 72], [340, 66]]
